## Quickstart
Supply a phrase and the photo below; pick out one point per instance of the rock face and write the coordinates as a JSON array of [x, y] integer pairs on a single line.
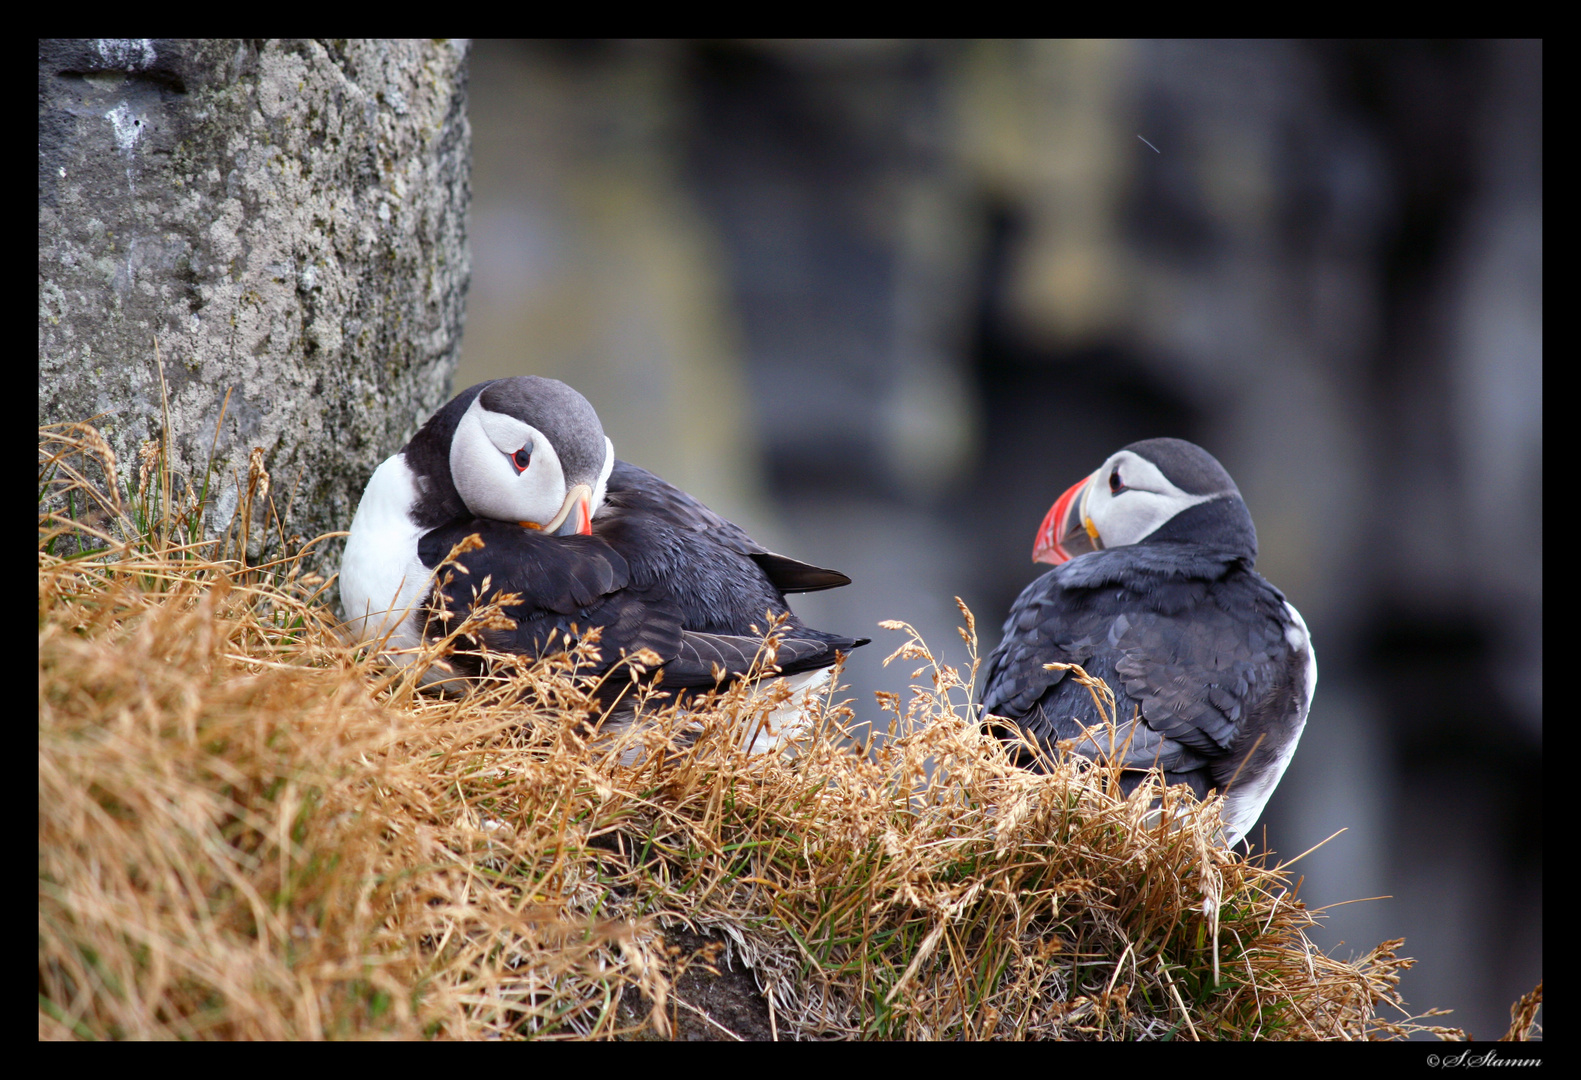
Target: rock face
[[288, 221]]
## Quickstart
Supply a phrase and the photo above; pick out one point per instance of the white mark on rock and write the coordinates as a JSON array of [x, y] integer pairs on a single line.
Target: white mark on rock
[[128, 126], [127, 54]]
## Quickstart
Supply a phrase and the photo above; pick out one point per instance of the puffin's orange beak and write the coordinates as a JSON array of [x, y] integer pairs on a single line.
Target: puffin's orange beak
[[1065, 532], [575, 516]]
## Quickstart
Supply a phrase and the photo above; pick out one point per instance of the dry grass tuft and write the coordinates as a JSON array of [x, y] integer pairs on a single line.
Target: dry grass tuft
[[247, 830], [1523, 1017]]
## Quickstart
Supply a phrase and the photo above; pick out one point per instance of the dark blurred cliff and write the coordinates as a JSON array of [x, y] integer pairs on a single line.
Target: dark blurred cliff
[[882, 302]]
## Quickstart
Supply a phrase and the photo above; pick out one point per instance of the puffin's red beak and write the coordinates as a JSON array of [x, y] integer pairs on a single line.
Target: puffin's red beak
[[575, 516], [1064, 533]]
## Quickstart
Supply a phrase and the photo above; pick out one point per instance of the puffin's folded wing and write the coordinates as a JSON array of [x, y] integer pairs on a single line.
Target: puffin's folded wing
[[632, 489], [716, 659], [552, 573], [1200, 676], [1037, 634], [564, 586]]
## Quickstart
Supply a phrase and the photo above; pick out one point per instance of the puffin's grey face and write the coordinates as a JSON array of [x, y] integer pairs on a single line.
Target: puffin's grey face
[[531, 450], [1126, 500]]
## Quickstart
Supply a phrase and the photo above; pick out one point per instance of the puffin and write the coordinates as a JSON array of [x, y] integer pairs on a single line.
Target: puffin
[[584, 540], [1153, 590]]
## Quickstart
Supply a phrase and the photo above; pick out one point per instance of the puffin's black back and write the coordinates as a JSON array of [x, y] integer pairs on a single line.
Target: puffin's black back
[[567, 585], [660, 572], [710, 565], [1190, 638]]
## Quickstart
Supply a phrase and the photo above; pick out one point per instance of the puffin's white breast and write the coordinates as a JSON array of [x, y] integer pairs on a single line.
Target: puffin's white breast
[[382, 580]]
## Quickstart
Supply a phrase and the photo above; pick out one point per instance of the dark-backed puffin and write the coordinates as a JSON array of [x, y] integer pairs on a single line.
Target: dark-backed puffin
[[1153, 591], [584, 539]]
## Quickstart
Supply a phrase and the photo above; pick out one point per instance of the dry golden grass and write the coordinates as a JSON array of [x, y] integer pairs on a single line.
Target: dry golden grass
[[247, 830]]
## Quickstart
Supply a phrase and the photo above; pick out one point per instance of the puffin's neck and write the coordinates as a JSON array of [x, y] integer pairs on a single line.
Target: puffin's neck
[[1223, 524]]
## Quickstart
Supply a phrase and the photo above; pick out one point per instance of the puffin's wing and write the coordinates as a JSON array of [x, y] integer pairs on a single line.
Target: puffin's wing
[[1208, 676], [1051, 623], [634, 489], [569, 584], [565, 585], [716, 659], [1016, 677]]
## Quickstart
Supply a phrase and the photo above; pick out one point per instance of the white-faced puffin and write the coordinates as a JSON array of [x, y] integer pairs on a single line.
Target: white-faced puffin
[[585, 540], [1153, 591]]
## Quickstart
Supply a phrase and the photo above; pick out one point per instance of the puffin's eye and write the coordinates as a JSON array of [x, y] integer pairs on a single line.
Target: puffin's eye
[[521, 459], [1116, 485]]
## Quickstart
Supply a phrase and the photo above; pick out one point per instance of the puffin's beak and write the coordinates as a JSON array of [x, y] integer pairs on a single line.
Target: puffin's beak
[[574, 516], [1066, 532]]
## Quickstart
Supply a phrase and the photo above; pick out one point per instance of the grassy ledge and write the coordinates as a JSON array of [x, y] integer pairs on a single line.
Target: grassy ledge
[[248, 830]]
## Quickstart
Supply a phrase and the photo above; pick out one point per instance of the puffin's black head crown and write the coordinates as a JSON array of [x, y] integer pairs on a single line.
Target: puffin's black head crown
[[1224, 522], [558, 411], [1187, 465]]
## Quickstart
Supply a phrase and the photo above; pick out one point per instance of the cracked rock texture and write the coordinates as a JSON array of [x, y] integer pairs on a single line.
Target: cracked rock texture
[[288, 220]]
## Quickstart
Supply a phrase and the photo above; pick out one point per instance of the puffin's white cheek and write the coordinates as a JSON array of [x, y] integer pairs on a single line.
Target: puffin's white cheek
[[533, 495], [535, 501], [482, 467], [1098, 513]]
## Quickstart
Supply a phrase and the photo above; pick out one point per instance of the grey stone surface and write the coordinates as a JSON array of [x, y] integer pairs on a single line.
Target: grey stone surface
[[288, 220]]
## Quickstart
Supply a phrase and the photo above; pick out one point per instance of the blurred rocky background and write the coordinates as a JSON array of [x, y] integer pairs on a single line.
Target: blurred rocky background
[[882, 302]]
